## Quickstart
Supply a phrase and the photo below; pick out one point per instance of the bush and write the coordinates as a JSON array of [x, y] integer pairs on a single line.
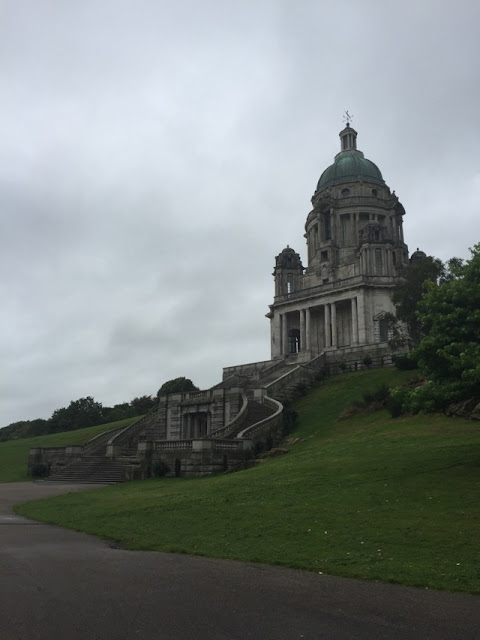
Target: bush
[[290, 417], [380, 394], [40, 470], [367, 361], [394, 406], [342, 365], [405, 362], [160, 469], [424, 398], [301, 389]]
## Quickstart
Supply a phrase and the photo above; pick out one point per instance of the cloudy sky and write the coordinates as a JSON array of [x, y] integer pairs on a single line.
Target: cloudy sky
[[155, 155]]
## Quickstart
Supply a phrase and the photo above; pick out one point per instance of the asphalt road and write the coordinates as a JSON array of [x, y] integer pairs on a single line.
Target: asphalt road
[[56, 583]]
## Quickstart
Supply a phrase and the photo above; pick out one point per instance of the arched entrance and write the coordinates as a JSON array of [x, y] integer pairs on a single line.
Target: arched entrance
[[293, 341]]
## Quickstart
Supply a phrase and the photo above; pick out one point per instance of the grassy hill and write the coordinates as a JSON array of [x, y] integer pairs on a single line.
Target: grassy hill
[[370, 497], [14, 453]]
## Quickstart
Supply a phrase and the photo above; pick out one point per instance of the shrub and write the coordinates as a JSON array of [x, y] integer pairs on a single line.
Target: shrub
[[160, 469], [301, 389], [379, 395], [394, 406], [342, 365], [367, 360], [290, 417], [395, 401], [40, 470], [405, 362]]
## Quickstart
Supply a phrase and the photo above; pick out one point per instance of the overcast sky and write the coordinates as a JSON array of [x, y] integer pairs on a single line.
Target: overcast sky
[[155, 156]]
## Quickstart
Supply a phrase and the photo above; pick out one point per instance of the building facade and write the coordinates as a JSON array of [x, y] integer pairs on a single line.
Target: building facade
[[355, 255]]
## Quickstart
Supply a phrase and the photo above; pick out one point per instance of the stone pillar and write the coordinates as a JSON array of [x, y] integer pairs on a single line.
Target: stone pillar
[[328, 340], [202, 445], [354, 321], [307, 330], [278, 334], [302, 329], [333, 313], [362, 334], [284, 334], [209, 422]]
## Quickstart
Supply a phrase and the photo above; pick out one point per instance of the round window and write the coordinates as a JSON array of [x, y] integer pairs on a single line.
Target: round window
[[345, 192]]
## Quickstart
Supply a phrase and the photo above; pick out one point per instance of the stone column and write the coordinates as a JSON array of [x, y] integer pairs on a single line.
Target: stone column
[[302, 329], [362, 333], [284, 334], [333, 313], [307, 330], [328, 340], [354, 321]]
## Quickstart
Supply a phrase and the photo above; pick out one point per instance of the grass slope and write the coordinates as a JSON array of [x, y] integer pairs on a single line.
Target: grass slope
[[14, 453], [369, 497]]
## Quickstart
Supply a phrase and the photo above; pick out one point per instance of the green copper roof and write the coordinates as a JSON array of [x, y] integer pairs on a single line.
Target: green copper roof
[[350, 166]]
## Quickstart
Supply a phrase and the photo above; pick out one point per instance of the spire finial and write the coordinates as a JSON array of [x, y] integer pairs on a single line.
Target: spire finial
[[347, 117]]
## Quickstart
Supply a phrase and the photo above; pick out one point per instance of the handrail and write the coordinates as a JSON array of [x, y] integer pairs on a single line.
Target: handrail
[[236, 422], [93, 442], [266, 421], [148, 416], [288, 373]]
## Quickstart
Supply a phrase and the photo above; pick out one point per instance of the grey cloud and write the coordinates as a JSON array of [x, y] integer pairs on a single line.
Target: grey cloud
[[155, 158]]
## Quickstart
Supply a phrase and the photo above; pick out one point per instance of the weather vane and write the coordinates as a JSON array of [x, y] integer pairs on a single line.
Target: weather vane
[[347, 118]]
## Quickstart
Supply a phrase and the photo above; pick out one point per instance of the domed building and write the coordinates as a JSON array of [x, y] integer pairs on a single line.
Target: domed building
[[355, 254], [329, 313]]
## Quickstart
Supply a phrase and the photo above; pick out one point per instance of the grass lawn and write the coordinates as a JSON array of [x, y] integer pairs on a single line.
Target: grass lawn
[[14, 453], [372, 497]]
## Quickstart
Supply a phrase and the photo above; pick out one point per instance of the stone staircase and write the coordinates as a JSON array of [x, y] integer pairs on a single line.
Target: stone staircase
[[277, 373], [91, 469], [255, 413], [93, 466]]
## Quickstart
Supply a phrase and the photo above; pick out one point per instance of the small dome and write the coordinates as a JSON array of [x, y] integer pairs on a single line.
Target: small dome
[[350, 166], [418, 256], [288, 259]]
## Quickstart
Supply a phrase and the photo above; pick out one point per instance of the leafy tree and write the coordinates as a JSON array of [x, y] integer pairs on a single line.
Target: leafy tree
[[84, 412], [177, 385], [407, 296], [143, 404], [449, 353], [118, 412]]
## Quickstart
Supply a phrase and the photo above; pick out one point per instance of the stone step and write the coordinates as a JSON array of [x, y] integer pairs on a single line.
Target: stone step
[[91, 469]]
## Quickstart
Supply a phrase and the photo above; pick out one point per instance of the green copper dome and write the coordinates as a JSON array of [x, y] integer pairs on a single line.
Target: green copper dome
[[349, 166]]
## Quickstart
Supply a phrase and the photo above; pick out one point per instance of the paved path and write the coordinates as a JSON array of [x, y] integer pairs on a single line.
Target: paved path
[[56, 583]]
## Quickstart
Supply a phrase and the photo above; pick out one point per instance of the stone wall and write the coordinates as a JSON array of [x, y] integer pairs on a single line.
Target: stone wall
[[53, 457], [353, 357], [195, 458], [246, 369]]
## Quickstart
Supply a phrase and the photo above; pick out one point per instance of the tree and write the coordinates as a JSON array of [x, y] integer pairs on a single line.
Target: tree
[[407, 296], [118, 412], [449, 352], [84, 412], [177, 385], [143, 404]]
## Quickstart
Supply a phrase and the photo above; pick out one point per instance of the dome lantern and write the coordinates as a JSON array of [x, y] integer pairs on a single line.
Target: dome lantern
[[350, 165], [348, 138]]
